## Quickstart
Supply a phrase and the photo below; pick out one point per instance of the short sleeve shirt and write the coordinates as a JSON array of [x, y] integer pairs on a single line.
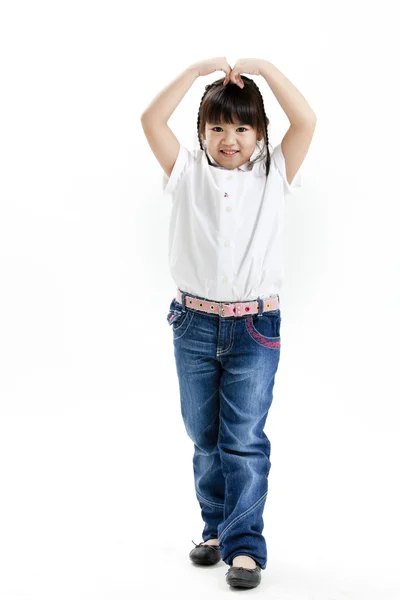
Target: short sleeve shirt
[[225, 233]]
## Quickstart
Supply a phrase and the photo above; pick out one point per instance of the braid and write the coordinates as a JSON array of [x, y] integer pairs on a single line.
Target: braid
[[266, 123], [198, 116], [214, 84]]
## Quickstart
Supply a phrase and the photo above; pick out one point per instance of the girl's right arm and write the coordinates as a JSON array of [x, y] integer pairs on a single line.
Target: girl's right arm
[[164, 104], [162, 141], [168, 99]]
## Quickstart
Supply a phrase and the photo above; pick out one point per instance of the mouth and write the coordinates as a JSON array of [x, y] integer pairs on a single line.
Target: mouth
[[230, 153]]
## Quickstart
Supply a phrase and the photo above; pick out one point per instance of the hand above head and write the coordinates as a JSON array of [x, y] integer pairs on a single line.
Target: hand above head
[[251, 66], [205, 67], [243, 65]]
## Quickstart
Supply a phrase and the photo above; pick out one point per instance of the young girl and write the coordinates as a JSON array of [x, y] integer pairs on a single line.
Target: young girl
[[226, 258]]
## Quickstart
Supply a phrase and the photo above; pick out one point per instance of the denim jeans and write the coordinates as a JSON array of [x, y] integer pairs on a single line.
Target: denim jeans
[[226, 369]]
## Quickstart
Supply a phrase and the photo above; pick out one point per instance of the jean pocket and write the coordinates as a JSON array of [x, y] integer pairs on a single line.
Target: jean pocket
[[266, 328]]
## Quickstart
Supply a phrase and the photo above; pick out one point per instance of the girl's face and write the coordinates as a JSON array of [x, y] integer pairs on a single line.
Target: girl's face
[[227, 136]]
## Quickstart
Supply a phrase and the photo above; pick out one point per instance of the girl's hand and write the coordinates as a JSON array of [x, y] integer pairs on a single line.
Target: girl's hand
[[251, 66], [205, 67]]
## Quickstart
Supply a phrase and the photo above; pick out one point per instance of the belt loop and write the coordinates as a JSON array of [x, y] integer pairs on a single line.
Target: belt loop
[[184, 294], [260, 305]]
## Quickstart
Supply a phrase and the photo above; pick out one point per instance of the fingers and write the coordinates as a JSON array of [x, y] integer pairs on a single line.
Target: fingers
[[235, 77], [227, 77]]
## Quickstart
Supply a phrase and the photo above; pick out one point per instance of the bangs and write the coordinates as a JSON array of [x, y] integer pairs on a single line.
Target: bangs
[[231, 107]]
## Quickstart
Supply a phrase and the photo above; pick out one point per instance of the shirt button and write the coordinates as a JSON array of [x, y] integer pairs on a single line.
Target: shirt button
[[228, 209], [229, 177], [225, 279], [227, 243]]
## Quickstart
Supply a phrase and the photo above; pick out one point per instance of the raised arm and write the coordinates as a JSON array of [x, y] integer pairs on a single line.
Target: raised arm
[[166, 101], [297, 139], [161, 139]]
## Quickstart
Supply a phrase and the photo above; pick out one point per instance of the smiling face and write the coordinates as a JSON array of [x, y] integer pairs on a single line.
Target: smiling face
[[236, 136]]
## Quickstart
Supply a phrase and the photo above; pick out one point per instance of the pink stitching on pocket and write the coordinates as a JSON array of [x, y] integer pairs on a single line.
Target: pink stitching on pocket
[[259, 337]]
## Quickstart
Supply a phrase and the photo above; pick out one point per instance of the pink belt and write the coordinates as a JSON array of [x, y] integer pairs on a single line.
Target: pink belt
[[228, 309]]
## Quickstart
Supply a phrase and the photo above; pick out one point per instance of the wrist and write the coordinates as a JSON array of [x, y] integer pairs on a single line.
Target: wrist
[[263, 65]]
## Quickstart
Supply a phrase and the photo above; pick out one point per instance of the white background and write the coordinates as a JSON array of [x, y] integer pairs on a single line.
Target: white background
[[97, 497]]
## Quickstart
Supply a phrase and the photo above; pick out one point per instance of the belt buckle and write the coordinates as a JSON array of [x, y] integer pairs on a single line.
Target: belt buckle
[[237, 309], [220, 309]]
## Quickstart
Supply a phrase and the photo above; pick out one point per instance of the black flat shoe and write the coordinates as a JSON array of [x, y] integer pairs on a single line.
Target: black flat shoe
[[205, 554], [244, 578]]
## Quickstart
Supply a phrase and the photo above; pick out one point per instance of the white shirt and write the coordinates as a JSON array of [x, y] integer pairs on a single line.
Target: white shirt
[[226, 225]]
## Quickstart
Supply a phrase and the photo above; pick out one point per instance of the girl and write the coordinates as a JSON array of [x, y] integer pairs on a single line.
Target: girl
[[226, 258]]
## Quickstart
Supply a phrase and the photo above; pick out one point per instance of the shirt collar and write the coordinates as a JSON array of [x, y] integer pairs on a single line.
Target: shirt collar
[[245, 167]]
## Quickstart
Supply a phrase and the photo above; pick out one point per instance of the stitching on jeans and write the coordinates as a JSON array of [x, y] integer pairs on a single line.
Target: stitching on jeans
[[257, 336], [232, 338], [209, 501], [182, 324], [241, 516]]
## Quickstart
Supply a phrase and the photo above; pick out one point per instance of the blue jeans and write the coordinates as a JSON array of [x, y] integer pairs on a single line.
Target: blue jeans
[[226, 369]]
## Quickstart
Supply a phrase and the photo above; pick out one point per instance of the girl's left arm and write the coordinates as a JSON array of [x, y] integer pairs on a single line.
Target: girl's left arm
[[296, 107]]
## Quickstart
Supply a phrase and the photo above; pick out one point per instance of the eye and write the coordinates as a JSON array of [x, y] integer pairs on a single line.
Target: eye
[[245, 128]]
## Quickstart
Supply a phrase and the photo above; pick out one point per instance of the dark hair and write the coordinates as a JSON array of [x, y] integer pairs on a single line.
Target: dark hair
[[225, 104]]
